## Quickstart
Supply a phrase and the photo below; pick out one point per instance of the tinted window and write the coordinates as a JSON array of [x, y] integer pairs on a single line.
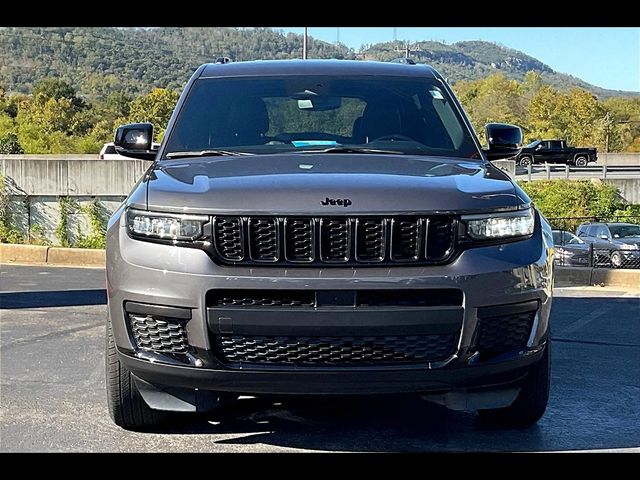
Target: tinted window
[[555, 144], [276, 114], [110, 149], [601, 230], [622, 231]]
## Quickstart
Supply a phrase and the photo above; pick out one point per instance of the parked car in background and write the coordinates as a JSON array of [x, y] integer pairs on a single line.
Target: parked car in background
[[555, 151], [109, 152], [618, 242], [570, 250]]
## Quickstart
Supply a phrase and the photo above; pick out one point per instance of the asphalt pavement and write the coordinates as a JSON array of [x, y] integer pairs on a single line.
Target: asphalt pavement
[[52, 396]]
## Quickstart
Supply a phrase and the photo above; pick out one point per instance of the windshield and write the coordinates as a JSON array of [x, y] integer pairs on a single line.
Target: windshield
[[622, 231], [533, 144], [263, 115]]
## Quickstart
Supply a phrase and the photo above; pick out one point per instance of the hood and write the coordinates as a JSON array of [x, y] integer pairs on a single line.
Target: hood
[[626, 241], [321, 184]]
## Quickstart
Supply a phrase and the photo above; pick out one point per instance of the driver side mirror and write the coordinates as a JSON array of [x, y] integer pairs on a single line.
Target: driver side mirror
[[135, 140], [504, 140], [604, 237]]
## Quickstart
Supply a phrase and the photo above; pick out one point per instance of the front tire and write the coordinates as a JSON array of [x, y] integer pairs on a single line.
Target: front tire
[[531, 402], [616, 260], [127, 408], [581, 162], [525, 161]]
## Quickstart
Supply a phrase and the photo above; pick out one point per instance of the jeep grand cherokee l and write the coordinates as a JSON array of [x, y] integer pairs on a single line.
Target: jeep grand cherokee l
[[325, 228]]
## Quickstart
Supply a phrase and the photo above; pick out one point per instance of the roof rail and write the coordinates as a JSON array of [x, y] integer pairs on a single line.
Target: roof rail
[[408, 61], [222, 60]]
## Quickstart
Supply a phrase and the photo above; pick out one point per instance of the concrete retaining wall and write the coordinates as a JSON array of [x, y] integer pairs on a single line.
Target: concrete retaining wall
[[35, 184], [629, 188], [632, 159]]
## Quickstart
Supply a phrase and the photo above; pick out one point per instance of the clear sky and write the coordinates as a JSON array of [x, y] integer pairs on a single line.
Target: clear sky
[[606, 57]]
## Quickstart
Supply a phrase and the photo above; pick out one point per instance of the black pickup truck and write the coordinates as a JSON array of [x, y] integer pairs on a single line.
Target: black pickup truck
[[555, 151]]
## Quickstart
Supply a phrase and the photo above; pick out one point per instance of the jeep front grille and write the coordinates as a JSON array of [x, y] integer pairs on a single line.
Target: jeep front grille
[[334, 240]]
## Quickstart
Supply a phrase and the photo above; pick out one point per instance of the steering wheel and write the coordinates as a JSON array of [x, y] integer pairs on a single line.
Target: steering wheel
[[392, 137]]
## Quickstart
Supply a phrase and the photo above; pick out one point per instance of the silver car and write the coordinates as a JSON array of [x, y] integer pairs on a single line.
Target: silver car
[[325, 228]]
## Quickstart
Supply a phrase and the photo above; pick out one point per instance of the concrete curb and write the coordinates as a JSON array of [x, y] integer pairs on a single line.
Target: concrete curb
[[11, 253], [583, 276]]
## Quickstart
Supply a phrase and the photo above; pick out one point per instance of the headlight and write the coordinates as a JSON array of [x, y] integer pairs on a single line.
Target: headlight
[[499, 225], [629, 246], [165, 226]]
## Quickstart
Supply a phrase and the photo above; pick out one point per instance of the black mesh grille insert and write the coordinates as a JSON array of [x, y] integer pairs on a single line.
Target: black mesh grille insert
[[159, 334], [297, 241], [431, 297], [263, 239], [370, 239], [386, 350], [406, 239], [261, 298], [335, 240], [440, 238], [228, 238], [503, 333]]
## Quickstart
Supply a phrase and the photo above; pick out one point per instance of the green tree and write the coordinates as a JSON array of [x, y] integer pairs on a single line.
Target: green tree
[[156, 107], [57, 89], [494, 99], [9, 144]]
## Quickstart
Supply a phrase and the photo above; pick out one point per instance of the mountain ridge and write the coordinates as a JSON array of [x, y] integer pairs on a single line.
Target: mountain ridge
[[102, 60]]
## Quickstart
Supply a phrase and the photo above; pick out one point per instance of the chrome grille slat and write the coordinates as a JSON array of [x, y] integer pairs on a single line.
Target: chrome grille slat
[[363, 240]]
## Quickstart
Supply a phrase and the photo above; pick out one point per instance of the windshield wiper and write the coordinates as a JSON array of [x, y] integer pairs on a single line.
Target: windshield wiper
[[344, 149], [205, 153]]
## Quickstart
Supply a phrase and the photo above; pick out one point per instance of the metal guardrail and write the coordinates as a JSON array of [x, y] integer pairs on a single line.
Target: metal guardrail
[[549, 168], [595, 252]]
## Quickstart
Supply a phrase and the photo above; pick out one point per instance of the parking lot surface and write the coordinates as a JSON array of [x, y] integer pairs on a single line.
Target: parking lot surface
[[52, 395]]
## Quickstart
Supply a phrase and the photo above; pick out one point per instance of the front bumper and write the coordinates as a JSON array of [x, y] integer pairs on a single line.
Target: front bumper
[[153, 274]]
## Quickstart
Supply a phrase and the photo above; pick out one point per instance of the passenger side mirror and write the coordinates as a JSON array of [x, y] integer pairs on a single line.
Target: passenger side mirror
[[504, 140], [604, 237], [135, 140]]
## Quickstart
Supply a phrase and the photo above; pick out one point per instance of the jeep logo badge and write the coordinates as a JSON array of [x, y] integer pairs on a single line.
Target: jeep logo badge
[[345, 202]]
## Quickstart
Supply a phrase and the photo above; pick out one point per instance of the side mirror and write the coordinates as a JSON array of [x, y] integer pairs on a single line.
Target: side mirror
[[504, 140], [135, 140], [539, 147], [604, 237]]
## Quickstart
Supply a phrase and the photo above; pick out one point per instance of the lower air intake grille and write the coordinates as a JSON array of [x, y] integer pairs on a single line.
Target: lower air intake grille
[[310, 351], [159, 334], [503, 333]]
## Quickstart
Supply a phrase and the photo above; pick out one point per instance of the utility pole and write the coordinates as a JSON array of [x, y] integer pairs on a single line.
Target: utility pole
[[607, 126], [337, 35], [395, 34], [304, 44], [407, 50]]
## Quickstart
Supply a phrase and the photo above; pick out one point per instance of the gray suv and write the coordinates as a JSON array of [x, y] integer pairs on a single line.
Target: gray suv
[[618, 243], [325, 228]]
